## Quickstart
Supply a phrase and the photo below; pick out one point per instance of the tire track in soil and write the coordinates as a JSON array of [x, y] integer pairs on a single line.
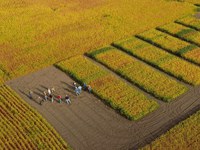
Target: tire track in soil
[[89, 124]]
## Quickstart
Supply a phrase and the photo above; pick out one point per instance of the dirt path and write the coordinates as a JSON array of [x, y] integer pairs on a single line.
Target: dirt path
[[89, 124]]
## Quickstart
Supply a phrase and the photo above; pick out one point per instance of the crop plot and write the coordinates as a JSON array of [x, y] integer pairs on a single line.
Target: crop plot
[[139, 73], [185, 135], [23, 128], [161, 59], [190, 21], [172, 44], [182, 32], [118, 94]]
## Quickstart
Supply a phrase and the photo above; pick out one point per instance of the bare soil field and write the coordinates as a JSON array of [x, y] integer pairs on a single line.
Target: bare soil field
[[89, 124]]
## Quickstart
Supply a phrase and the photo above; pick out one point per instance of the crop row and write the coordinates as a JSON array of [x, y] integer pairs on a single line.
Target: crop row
[[185, 135], [161, 59], [172, 44], [22, 127], [190, 21], [139, 73], [118, 94]]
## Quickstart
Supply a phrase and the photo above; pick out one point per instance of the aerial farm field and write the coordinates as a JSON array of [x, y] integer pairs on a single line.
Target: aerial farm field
[[141, 58]]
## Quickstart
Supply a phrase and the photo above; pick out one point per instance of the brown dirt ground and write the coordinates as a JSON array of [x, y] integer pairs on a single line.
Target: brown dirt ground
[[89, 124]]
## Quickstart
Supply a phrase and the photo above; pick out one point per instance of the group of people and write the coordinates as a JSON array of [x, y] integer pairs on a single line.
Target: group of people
[[50, 94], [78, 89]]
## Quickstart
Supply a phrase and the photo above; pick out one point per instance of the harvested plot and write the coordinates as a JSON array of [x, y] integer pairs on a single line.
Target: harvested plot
[[182, 32], [172, 44], [23, 128], [161, 59], [120, 96], [185, 135], [190, 21], [139, 73]]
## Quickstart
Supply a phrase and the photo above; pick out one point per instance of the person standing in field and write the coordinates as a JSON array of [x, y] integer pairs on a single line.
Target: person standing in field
[[45, 96], [30, 93], [49, 91], [67, 99], [52, 90], [40, 100], [51, 98], [59, 98], [84, 86], [89, 88], [75, 85], [79, 89]]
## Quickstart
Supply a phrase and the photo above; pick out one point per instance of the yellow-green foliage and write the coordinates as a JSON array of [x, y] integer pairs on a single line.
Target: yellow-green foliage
[[192, 75], [163, 60], [21, 127], [172, 44], [1, 76], [190, 21], [182, 32], [139, 73], [184, 136], [38, 33], [119, 95], [193, 55], [165, 41], [197, 2]]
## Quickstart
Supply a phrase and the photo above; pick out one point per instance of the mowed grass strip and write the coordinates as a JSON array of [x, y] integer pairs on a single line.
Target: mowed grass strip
[[161, 59], [185, 135], [119, 95], [171, 44], [190, 21], [22, 127], [139, 73]]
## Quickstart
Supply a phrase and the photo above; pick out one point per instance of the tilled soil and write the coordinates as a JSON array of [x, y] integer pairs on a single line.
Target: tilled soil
[[88, 124]]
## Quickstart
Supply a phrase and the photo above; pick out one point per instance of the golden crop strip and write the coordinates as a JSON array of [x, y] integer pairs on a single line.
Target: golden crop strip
[[190, 21], [182, 32], [161, 59], [171, 44], [139, 73], [119, 95], [23, 128], [185, 135], [196, 2], [187, 34]]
